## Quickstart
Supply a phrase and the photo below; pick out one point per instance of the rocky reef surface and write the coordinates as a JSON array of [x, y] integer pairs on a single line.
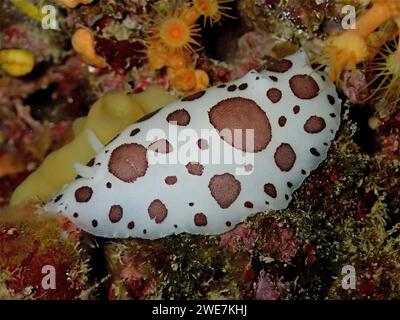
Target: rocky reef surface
[[346, 213]]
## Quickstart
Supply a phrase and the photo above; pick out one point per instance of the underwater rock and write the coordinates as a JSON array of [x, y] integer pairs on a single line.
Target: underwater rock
[[43, 257]]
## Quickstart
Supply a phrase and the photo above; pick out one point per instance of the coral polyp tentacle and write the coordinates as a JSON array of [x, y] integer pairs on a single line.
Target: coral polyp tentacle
[[385, 68]]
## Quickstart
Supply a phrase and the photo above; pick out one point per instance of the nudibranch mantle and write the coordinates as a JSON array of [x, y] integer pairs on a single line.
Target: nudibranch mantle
[[294, 112]]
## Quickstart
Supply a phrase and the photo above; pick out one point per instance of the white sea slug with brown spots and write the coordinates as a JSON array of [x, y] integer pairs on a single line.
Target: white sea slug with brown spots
[[294, 112]]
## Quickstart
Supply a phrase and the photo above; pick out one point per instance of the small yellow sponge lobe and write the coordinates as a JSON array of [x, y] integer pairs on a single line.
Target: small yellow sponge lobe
[[16, 62], [107, 117]]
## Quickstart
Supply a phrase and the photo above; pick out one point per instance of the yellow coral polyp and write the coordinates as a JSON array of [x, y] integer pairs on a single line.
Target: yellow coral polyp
[[174, 31], [188, 79], [74, 3], [171, 46], [342, 55], [202, 80], [17, 62], [83, 43], [393, 63], [348, 49], [178, 60], [156, 55], [183, 79], [212, 10], [385, 85]]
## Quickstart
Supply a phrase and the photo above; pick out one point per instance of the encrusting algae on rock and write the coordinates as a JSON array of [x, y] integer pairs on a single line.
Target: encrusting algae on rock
[[33, 245]]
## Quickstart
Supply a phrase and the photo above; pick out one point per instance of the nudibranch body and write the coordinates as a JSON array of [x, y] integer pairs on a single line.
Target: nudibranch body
[[292, 113]]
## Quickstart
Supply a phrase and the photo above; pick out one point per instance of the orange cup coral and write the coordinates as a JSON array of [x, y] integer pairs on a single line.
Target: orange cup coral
[[173, 37], [351, 47], [156, 55], [175, 33], [202, 80], [178, 60], [183, 79]]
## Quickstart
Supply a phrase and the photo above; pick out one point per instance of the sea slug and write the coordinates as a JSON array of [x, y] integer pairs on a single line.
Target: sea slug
[[292, 112]]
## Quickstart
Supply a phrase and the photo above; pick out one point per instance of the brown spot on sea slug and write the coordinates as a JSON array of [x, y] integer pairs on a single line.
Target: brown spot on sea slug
[[314, 124], [279, 66], [225, 189], [170, 180], [179, 117], [194, 96], [157, 211], [83, 194], [115, 214], [242, 114], [128, 162], [270, 190], [274, 95], [195, 168], [200, 219], [304, 86], [285, 157]]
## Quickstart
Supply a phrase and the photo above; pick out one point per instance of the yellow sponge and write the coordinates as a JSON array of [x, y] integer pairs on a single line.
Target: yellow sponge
[[107, 117]]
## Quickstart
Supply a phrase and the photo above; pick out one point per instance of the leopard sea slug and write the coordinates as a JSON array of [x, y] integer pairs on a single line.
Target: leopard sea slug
[[293, 113]]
